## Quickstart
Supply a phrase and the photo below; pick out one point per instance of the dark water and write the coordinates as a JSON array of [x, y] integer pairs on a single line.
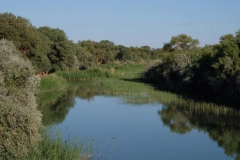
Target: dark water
[[122, 131]]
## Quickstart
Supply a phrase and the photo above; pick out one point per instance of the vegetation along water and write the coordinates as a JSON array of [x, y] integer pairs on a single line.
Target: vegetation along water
[[197, 87]]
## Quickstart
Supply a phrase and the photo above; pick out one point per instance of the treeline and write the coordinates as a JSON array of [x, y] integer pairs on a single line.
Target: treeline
[[50, 50], [211, 72]]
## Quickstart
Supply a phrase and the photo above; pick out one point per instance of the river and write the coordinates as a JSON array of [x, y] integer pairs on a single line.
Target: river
[[119, 130]]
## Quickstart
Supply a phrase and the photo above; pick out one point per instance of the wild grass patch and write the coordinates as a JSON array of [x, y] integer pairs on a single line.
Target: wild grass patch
[[53, 147], [52, 83]]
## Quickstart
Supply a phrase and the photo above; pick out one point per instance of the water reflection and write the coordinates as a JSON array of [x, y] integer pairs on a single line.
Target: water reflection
[[181, 116], [55, 105], [224, 129]]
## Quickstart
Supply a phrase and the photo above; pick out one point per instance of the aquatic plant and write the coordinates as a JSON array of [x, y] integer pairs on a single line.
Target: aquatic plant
[[53, 147]]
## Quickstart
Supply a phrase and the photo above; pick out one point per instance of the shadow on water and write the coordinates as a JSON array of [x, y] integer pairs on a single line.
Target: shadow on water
[[224, 129], [201, 96]]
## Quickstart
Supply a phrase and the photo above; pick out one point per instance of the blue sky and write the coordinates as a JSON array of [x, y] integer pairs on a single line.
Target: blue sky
[[132, 22]]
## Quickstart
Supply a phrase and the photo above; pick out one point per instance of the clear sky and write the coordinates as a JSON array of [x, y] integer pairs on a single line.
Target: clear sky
[[132, 22]]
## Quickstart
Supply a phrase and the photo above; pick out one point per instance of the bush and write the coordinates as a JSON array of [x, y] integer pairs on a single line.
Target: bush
[[19, 119]]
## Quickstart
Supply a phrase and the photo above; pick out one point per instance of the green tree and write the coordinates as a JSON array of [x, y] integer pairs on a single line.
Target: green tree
[[124, 54], [106, 51], [84, 58], [227, 37], [39, 53], [61, 53], [18, 30], [27, 39], [181, 42]]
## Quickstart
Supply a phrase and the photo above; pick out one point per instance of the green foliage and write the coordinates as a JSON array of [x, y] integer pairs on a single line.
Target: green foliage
[[27, 39], [174, 70], [39, 53], [54, 106], [93, 73], [212, 70], [49, 49], [84, 58], [16, 29], [19, 118], [52, 83], [52, 147], [182, 41], [61, 53], [104, 51], [137, 54]]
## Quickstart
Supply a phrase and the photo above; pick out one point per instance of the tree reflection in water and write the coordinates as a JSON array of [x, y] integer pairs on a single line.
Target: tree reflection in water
[[224, 129], [221, 124], [55, 105]]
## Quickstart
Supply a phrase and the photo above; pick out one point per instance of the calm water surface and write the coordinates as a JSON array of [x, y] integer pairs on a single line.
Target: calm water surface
[[123, 131]]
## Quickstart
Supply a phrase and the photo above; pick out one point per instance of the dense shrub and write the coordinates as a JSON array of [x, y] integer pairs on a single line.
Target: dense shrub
[[19, 118], [211, 72]]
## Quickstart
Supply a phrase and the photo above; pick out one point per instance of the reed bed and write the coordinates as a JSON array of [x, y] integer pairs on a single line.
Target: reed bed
[[52, 147], [123, 80], [52, 83]]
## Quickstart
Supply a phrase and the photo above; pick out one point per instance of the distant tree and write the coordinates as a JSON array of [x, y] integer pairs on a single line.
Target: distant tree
[[61, 53], [124, 54], [27, 39], [104, 51], [84, 58], [38, 55], [18, 30], [226, 60], [167, 47], [107, 51], [181, 42], [227, 37], [144, 53], [90, 47]]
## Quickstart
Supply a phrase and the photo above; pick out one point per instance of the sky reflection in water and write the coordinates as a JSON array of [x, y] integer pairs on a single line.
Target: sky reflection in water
[[126, 132]]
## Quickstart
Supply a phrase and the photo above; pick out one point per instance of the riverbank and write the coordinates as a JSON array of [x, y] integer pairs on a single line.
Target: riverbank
[[125, 80]]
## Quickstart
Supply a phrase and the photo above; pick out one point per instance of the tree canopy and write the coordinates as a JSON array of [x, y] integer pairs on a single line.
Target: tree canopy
[[181, 42]]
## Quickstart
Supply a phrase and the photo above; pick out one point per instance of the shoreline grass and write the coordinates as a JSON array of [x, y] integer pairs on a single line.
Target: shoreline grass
[[52, 83], [104, 71], [126, 82], [52, 147]]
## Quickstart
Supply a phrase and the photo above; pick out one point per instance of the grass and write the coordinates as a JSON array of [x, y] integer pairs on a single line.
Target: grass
[[116, 80], [103, 71], [84, 75], [52, 83], [125, 81], [52, 147]]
